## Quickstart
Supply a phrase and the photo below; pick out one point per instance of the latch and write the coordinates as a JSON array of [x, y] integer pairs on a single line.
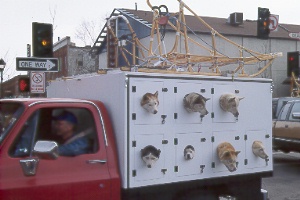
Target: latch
[[164, 141], [133, 116], [175, 141], [164, 171], [164, 89], [133, 89], [175, 115], [133, 173], [267, 160], [175, 168], [163, 118], [202, 168]]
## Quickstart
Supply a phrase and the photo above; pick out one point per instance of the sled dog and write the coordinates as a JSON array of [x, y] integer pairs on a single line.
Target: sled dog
[[150, 102], [189, 152], [150, 155], [258, 149], [194, 102], [230, 103], [228, 155]]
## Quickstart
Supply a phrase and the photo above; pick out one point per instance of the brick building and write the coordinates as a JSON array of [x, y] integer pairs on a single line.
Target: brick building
[[73, 60]]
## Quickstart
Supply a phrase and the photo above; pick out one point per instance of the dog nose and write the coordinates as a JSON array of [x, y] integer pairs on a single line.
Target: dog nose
[[155, 111], [149, 166], [236, 114]]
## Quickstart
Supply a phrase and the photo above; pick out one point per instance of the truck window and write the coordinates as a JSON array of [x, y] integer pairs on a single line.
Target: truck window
[[73, 129], [295, 108], [9, 114], [284, 111]]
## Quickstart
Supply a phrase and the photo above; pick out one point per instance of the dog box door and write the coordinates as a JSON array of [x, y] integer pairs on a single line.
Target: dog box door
[[139, 87], [237, 141], [182, 116], [253, 161], [219, 114], [195, 165], [142, 175]]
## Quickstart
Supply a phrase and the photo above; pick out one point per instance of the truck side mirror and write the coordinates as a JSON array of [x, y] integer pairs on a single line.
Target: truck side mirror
[[46, 150], [296, 115]]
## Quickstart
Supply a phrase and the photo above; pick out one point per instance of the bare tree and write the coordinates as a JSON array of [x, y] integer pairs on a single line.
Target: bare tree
[[87, 32]]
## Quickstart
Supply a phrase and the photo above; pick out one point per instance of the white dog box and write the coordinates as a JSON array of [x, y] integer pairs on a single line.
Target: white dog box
[[172, 128]]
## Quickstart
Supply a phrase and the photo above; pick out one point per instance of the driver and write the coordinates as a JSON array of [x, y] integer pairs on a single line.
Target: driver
[[69, 143]]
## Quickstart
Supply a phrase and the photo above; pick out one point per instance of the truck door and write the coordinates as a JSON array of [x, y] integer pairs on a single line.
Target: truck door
[[83, 175]]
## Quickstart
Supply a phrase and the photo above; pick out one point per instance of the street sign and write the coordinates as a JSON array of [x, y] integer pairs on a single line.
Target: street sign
[[274, 19], [37, 82], [295, 35], [37, 64]]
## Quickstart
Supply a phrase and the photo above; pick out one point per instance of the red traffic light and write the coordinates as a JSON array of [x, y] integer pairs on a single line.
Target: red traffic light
[[293, 64], [24, 84], [291, 58]]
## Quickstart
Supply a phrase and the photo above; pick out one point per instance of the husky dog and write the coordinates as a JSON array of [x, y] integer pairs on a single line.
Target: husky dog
[[258, 149], [150, 155], [194, 102], [189, 152], [150, 102], [227, 155], [230, 103]]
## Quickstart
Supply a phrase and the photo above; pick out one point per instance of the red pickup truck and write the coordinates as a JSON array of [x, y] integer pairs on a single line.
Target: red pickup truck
[[118, 129]]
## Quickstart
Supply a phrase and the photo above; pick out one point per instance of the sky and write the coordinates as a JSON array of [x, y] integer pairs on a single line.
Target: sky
[[67, 16]]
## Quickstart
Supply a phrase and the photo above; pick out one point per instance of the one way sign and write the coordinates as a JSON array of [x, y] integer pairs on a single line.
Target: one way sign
[[37, 64]]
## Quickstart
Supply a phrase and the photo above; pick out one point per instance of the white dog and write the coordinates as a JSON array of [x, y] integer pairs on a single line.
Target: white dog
[[150, 155], [230, 103], [189, 152], [150, 102], [258, 149]]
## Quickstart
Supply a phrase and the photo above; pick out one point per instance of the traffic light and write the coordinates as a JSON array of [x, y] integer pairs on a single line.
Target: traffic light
[[24, 84], [42, 40], [293, 63], [263, 23]]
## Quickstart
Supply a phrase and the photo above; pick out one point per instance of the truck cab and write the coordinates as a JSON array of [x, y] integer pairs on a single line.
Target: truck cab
[[26, 173]]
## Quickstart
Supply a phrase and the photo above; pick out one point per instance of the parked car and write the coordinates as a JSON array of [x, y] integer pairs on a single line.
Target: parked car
[[277, 104], [286, 128]]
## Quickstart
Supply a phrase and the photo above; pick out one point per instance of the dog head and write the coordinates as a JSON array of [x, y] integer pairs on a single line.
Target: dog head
[[230, 103], [228, 156], [194, 102], [150, 155], [189, 152], [259, 150], [150, 102]]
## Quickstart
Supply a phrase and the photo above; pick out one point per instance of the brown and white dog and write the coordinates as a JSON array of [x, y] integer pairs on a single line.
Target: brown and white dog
[[150, 155], [189, 152], [230, 103], [150, 102], [228, 155], [194, 102], [258, 149]]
